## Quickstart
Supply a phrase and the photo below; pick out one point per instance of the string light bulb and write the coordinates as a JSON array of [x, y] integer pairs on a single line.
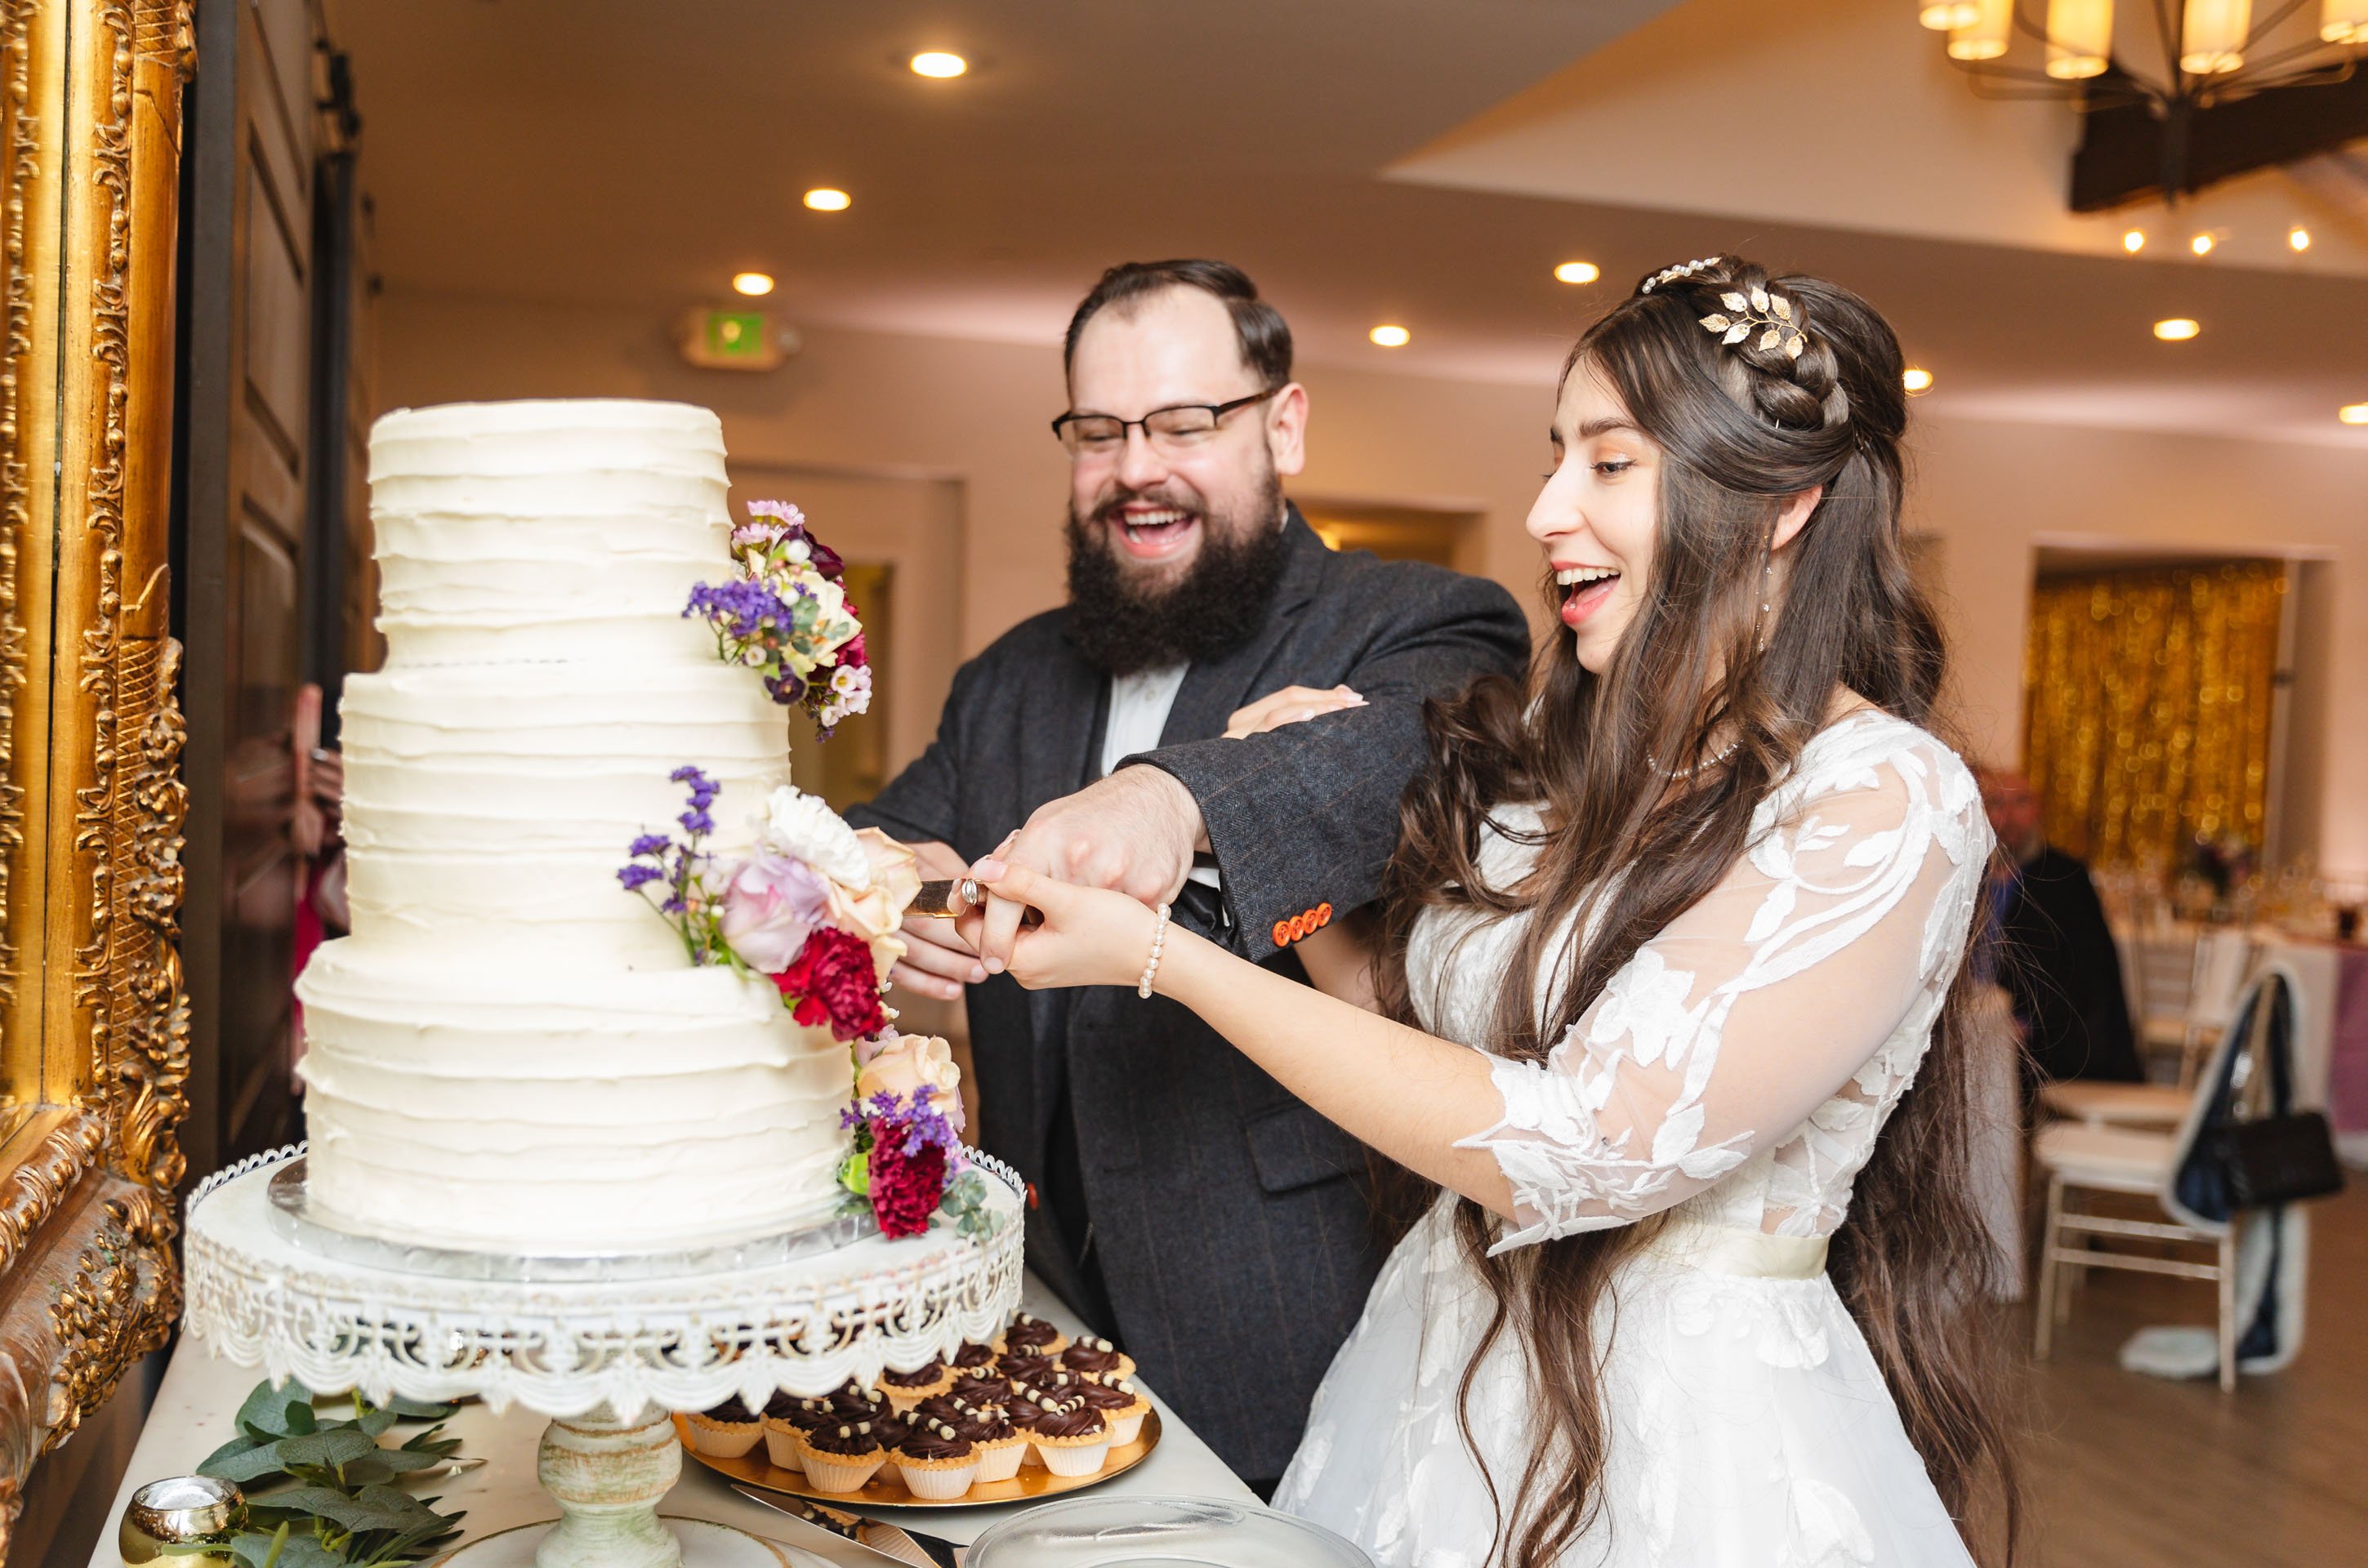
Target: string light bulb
[[938, 63], [2202, 245], [2297, 239], [2353, 414], [752, 283], [1578, 272], [2176, 329], [828, 199], [1917, 380], [1391, 336], [2134, 240]]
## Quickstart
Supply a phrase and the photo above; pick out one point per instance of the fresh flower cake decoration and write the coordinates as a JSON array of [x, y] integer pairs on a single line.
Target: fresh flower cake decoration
[[788, 615], [813, 905]]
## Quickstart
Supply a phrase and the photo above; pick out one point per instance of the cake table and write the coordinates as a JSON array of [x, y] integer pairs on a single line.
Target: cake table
[[605, 1345]]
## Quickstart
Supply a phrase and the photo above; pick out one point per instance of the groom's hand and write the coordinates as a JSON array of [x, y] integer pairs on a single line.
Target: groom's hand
[[939, 960], [1133, 832]]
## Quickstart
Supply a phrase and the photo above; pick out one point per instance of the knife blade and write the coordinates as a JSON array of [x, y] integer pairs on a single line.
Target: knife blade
[[894, 1542], [946, 898]]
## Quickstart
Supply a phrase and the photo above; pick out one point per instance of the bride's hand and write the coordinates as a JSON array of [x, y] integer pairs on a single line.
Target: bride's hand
[[1292, 705], [1089, 935]]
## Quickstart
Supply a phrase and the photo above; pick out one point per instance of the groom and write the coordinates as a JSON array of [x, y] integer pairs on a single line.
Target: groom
[[1189, 1207]]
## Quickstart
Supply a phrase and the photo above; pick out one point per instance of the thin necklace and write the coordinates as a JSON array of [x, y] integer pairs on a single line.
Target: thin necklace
[[1681, 775]]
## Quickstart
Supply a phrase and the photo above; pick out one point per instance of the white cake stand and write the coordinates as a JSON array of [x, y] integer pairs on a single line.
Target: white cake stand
[[606, 1347]]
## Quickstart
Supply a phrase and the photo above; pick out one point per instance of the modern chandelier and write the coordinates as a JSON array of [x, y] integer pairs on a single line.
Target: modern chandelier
[[2211, 51]]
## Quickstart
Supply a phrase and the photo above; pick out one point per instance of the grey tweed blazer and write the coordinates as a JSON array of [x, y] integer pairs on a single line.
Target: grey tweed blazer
[[1232, 1230]]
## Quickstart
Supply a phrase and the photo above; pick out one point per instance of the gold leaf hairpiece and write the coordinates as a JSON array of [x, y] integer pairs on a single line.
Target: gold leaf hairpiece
[[1771, 314]]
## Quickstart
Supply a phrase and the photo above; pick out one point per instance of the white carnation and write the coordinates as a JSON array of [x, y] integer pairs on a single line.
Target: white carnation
[[799, 824]]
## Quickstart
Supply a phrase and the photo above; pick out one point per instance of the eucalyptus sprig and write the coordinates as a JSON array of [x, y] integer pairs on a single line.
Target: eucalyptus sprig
[[342, 1509]]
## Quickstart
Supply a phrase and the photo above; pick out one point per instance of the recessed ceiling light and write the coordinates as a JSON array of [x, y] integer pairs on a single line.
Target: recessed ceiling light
[[2134, 241], [1389, 337], [1578, 272], [752, 283], [2353, 414], [2176, 329], [2202, 245], [824, 198], [1917, 380], [2298, 239], [939, 63]]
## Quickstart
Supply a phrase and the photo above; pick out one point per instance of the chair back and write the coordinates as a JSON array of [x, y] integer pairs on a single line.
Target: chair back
[[2252, 1064], [2165, 979]]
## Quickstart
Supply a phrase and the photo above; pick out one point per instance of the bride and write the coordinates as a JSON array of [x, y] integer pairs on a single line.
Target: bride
[[1669, 981]]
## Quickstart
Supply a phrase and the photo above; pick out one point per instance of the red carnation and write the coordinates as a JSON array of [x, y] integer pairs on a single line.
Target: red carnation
[[906, 1189], [851, 653], [831, 981]]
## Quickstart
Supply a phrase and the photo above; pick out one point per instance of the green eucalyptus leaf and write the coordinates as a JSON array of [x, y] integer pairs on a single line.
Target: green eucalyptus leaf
[[375, 1422], [269, 1406], [366, 1470], [307, 1551], [242, 1444], [256, 1549], [396, 1509], [419, 1410], [338, 1444], [352, 1511], [398, 1461], [247, 1464]]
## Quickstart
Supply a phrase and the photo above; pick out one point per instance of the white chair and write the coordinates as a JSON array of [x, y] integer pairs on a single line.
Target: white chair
[[2215, 967], [2091, 1157]]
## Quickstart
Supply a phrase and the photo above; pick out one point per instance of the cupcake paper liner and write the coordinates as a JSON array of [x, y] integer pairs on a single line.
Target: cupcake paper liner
[[782, 1446], [725, 1439], [1125, 1428], [833, 1473], [940, 1481], [999, 1459], [1074, 1456]]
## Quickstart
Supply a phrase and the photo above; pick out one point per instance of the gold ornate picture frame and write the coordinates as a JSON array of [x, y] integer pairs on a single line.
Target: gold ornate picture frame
[[94, 1019]]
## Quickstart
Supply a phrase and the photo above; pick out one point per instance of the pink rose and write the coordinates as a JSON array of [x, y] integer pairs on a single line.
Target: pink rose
[[900, 1065], [770, 906]]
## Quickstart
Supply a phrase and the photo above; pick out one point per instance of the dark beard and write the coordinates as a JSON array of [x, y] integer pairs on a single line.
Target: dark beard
[[1217, 606]]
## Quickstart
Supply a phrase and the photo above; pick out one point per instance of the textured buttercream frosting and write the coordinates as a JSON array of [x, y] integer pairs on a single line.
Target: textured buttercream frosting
[[510, 1051]]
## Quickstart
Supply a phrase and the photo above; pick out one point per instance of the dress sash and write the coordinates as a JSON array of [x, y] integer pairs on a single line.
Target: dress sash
[[1729, 1249]]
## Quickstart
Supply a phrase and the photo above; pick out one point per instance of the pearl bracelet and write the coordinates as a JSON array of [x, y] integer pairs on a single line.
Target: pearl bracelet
[[1151, 969]]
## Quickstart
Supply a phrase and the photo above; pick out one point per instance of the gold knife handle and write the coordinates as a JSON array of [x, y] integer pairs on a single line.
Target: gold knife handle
[[945, 900]]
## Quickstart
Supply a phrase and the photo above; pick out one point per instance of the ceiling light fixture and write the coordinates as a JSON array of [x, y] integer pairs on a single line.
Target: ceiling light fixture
[[1389, 337], [825, 199], [2176, 329], [2353, 414], [1984, 35], [2298, 239], [1578, 272], [2343, 21], [1917, 380], [2134, 240], [1942, 17], [752, 283], [936, 62]]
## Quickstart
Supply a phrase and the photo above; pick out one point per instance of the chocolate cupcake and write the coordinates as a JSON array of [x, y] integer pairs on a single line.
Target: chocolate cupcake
[[787, 1417], [841, 1457], [1069, 1436], [906, 1390], [1025, 1369], [727, 1431], [1099, 1357], [972, 1356], [937, 1462], [1000, 1444], [1032, 1336], [985, 1387], [1122, 1404]]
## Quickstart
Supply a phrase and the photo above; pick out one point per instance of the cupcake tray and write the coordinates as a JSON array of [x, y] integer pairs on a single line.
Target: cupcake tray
[[886, 1491]]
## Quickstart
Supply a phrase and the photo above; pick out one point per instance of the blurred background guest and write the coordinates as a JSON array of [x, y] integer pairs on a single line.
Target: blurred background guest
[[2055, 952]]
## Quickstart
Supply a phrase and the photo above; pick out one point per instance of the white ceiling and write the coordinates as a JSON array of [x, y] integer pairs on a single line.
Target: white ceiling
[[1421, 161]]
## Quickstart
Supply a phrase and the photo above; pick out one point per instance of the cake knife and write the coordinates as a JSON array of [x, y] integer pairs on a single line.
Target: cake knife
[[892, 1543], [946, 898]]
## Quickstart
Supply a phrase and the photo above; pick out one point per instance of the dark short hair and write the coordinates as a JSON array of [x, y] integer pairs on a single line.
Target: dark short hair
[[1258, 327]]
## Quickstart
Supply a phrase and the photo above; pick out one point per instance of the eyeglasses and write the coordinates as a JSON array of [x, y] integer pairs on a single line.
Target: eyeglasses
[[1169, 429]]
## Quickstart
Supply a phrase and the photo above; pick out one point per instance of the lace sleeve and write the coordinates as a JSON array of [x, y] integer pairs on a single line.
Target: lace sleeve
[[1835, 932]]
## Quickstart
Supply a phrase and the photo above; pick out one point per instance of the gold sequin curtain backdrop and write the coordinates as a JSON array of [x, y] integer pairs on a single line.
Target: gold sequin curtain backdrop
[[2147, 703]]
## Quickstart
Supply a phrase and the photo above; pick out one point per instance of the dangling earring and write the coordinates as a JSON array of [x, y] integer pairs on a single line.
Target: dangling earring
[[1767, 596]]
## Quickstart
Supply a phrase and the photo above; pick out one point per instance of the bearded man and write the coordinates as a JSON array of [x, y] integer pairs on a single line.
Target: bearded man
[[1190, 1208]]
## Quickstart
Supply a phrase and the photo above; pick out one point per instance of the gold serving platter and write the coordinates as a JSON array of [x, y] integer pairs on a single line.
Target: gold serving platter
[[886, 1491]]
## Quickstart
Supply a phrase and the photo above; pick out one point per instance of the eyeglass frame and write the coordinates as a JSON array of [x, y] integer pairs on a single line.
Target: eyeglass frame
[[1216, 412]]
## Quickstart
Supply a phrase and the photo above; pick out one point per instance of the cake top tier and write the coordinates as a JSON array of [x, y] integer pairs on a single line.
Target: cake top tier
[[547, 436]]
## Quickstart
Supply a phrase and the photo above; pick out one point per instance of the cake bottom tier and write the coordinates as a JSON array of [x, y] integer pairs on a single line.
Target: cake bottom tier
[[551, 1110]]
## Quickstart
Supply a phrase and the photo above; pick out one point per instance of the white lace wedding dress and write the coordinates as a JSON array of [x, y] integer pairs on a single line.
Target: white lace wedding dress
[[1737, 1070]]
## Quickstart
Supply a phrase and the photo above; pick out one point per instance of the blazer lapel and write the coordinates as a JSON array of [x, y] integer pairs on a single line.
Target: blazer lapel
[[1214, 688]]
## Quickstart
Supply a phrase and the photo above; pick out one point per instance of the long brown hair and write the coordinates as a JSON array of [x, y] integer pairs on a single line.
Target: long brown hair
[[1741, 428]]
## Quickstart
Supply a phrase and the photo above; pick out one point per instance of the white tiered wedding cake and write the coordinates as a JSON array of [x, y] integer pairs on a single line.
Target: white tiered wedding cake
[[510, 1051]]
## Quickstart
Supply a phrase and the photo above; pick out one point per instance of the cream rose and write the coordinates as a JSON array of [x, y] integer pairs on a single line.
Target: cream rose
[[904, 1063], [875, 910]]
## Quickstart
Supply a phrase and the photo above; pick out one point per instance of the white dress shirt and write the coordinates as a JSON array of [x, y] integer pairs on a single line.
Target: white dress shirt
[[1139, 705]]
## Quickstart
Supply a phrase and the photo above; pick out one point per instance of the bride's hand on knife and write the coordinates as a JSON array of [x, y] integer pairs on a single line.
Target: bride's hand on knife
[[1089, 935]]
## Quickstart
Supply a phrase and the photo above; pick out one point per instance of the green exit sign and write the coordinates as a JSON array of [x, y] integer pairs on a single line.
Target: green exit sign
[[723, 339]]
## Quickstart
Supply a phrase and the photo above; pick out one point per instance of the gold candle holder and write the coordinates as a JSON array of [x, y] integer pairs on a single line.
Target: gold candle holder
[[176, 1511]]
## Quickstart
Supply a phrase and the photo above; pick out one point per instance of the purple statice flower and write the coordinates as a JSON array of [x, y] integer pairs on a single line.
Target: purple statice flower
[[636, 878], [649, 844]]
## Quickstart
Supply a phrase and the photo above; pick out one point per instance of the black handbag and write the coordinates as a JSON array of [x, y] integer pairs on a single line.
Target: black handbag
[[2277, 1159], [2286, 1156]]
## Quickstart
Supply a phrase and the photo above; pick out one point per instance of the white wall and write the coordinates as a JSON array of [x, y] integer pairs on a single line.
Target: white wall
[[977, 413]]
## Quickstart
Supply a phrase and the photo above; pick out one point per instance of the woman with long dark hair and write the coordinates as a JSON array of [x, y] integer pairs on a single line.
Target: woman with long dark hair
[[1669, 977]]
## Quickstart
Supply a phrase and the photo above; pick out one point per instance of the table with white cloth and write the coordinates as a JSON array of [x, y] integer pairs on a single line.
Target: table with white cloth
[[195, 1407]]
